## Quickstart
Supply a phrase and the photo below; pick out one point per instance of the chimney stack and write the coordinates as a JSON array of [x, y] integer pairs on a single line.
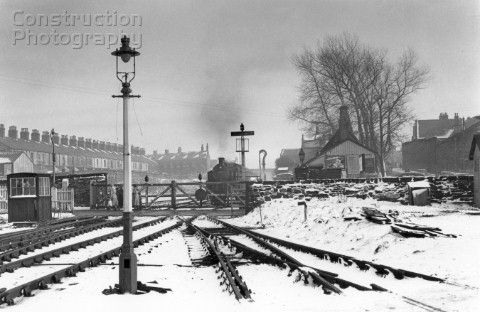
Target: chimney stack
[[12, 132], [2, 131], [73, 141], [24, 134], [344, 124], [167, 152], [155, 153], [221, 161], [81, 142], [64, 140], [201, 148], [46, 136], [180, 150], [88, 143], [102, 146], [95, 144], [35, 135]]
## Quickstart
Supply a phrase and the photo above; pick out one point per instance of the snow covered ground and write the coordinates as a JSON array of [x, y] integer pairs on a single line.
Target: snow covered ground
[[166, 262]]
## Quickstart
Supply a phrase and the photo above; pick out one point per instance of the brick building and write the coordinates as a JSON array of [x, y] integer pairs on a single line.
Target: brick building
[[183, 165], [440, 145], [75, 155]]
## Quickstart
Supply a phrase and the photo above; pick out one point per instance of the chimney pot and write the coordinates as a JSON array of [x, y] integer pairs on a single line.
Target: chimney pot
[[221, 161]]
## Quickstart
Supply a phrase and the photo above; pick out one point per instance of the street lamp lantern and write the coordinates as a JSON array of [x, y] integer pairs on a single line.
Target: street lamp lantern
[[301, 155], [128, 259]]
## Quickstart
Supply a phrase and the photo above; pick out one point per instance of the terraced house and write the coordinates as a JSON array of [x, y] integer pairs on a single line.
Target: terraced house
[[75, 155]]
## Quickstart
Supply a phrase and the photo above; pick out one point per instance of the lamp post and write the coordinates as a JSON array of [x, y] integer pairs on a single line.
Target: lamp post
[[301, 155], [128, 259], [53, 155]]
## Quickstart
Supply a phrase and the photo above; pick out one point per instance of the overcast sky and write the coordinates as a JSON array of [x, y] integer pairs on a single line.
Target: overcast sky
[[206, 66]]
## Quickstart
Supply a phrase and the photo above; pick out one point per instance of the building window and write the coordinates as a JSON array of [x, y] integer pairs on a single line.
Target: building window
[[44, 186], [22, 187]]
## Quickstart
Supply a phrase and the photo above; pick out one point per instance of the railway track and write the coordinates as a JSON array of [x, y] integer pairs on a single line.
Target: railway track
[[231, 251], [278, 252], [16, 287]]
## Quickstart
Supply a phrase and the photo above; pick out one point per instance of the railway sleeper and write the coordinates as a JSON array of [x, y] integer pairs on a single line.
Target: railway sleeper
[[56, 279], [27, 292]]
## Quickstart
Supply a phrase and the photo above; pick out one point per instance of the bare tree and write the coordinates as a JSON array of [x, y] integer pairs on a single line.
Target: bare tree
[[342, 71]]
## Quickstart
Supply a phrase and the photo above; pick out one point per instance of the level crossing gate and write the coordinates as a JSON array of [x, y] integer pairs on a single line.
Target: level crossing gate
[[153, 196]]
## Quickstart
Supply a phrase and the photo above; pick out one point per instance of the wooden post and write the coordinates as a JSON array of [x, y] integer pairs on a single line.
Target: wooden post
[[304, 210], [247, 198], [146, 199], [174, 194]]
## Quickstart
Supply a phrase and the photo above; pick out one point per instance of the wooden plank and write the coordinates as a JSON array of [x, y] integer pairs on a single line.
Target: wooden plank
[[215, 195], [160, 195], [186, 194]]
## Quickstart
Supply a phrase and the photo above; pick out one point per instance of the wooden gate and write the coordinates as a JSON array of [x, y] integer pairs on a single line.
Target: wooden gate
[[180, 195], [3, 198]]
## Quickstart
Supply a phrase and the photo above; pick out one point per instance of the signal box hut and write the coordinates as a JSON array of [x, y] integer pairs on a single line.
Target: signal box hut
[[475, 156], [29, 197]]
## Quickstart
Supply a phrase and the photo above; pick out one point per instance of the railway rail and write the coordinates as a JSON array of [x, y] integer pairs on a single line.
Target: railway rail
[[13, 251], [14, 240], [231, 279], [363, 265], [7, 296]]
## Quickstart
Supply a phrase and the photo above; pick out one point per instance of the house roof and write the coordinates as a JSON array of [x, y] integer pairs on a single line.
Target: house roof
[[179, 156], [34, 146], [336, 140], [475, 143], [435, 127], [9, 157]]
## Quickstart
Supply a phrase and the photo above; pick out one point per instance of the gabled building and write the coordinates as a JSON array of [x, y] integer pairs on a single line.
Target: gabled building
[[183, 165], [475, 156], [344, 151], [14, 162]]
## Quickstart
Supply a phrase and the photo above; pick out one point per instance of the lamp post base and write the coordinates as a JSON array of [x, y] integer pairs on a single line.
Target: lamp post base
[[128, 259]]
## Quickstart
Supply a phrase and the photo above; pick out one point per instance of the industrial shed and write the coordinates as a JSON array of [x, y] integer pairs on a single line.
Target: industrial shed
[[475, 156]]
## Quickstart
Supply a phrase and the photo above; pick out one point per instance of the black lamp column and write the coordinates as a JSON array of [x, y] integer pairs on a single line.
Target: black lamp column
[[128, 259], [301, 155], [53, 155]]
